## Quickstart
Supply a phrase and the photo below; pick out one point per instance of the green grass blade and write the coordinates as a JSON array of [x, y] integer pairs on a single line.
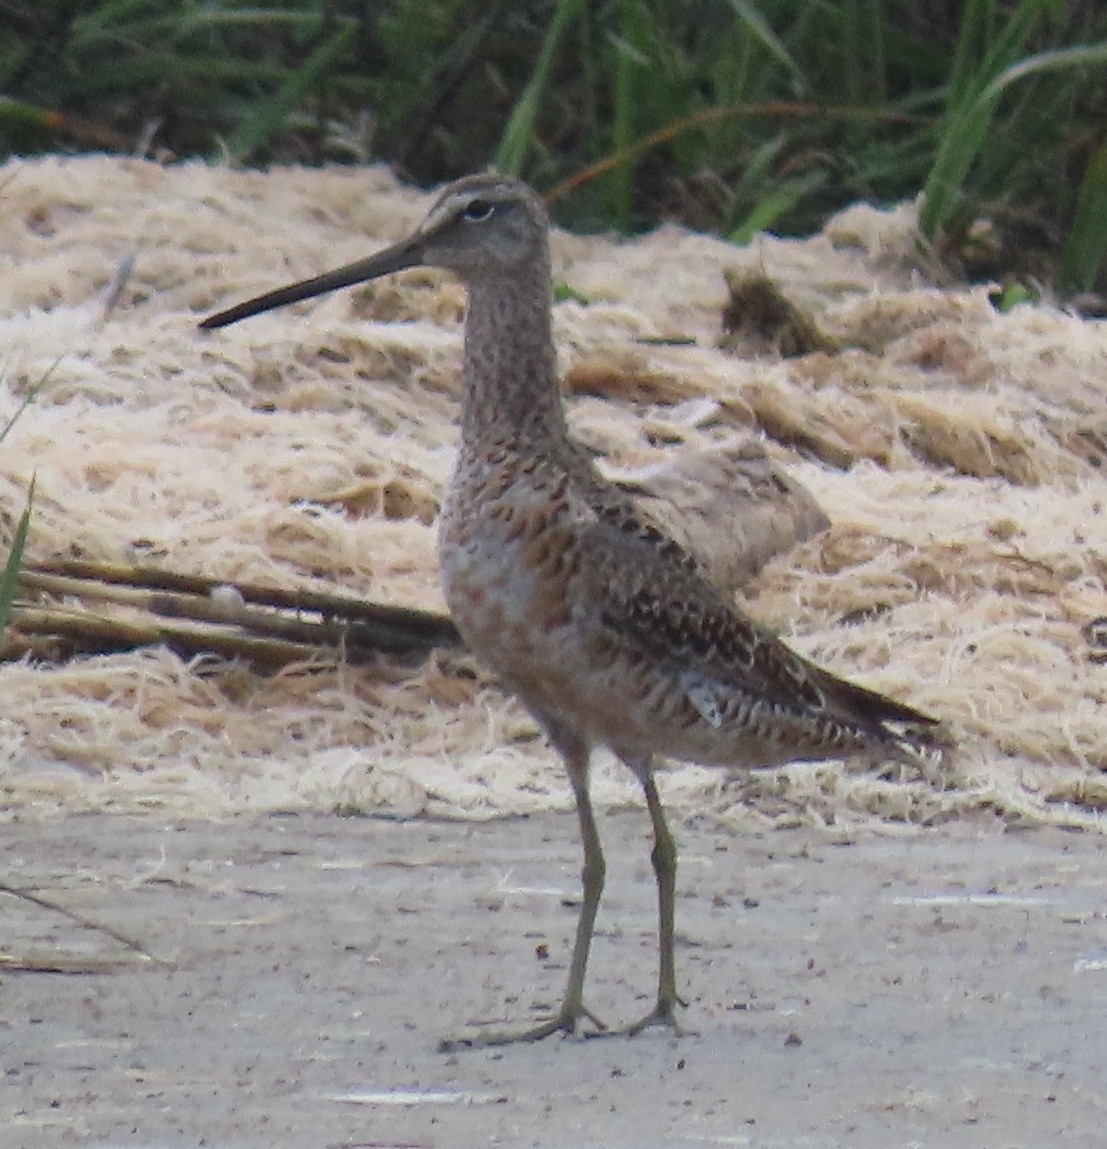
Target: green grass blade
[[777, 203], [180, 68], [518, 134], [268, 119], [17, 115], [962, 139], [28, 399], [757, 171], [987, 48], [1011, 37], [1058, 59], [631, 63], [968, 128], [1086, 243], [108, 18], [758, 26], [962, 67], [9, 579]]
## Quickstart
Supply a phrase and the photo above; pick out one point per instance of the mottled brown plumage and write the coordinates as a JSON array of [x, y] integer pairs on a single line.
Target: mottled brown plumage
[[609, 630]]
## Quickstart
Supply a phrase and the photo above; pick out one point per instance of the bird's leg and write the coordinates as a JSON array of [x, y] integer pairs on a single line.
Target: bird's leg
[[664, 867], [573, 1011], [592, 877]]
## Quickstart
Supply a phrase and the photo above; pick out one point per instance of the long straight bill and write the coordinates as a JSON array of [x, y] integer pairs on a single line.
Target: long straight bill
[[406, 253]]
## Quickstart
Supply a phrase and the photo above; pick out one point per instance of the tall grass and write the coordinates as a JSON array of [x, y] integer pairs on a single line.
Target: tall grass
[[731, 114]]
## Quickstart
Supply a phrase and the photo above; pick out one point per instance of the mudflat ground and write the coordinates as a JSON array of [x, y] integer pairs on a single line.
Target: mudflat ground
[[284, 981]]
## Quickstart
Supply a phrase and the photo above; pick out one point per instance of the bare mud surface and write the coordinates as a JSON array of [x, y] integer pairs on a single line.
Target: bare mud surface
[[283, 981]]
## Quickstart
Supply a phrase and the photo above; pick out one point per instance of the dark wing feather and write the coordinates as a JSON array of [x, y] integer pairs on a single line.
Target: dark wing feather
[[650, 594]]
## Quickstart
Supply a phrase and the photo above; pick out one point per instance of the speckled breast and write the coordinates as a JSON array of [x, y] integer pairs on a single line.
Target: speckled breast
[[508, 557]]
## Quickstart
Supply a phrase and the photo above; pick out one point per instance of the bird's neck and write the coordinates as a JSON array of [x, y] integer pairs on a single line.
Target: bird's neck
[[510, 384]]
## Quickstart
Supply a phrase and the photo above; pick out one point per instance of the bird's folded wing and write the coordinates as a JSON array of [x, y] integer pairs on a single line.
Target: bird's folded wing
[[649, 598]]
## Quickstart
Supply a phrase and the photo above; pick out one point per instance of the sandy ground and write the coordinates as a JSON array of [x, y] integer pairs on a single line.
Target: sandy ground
[[284, 980]]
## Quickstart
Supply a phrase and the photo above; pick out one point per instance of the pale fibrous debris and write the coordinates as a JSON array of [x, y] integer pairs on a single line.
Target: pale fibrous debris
[[960, 572]]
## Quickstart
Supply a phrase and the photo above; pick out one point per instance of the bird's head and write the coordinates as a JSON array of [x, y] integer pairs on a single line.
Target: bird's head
[[480, 226]]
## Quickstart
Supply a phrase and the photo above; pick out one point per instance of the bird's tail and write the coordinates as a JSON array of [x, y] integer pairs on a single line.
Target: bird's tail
[[905, 733]]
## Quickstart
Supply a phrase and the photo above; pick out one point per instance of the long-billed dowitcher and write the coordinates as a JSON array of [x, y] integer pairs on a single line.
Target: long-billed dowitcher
[[609, 631]]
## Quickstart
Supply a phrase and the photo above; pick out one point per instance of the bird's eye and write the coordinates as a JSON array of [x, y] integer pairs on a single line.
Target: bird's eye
[[478, 210]]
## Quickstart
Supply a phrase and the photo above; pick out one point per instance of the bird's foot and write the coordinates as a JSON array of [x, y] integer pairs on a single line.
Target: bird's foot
[[662, 1014], [569, 1020]]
